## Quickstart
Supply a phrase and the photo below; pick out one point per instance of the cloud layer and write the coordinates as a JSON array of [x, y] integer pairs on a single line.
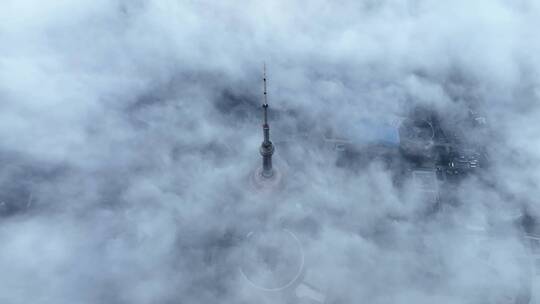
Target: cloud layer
[[129, 130]]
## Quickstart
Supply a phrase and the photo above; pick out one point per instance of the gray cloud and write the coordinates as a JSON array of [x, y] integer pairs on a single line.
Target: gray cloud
[[129, 130]]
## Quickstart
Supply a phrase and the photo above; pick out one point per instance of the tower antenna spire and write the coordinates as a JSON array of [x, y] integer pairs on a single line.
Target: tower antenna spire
[[265, 104], [267, 148]]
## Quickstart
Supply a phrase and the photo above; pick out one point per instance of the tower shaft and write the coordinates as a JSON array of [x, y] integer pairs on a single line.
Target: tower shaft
[[267, 148]]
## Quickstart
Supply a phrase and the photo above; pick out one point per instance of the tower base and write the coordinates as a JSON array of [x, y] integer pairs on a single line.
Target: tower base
[[261, 182]]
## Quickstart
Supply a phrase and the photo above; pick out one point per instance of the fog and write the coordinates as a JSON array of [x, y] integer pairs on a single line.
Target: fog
[[129, 131]]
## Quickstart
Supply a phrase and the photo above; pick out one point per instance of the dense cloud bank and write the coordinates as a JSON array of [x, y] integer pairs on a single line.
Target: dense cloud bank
[[129, 129]]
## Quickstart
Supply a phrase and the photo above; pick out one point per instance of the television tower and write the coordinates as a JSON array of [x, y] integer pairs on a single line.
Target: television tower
[[267, 148]]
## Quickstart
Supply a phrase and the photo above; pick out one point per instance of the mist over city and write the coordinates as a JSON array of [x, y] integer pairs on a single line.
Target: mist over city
[[180, 151]]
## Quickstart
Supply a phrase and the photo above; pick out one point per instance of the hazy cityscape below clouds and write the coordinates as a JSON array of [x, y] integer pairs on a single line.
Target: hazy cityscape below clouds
[[130, 144]]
